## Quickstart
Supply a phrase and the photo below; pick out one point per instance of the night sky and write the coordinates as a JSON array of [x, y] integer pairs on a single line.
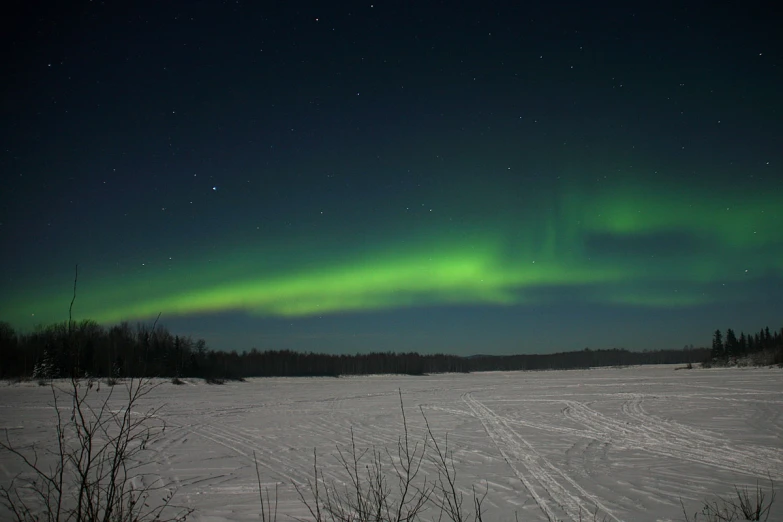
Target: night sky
[[464, 177]]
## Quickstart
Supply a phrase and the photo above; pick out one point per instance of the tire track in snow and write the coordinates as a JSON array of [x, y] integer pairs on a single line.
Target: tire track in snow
[[553, 428], [242, 448], [452, 411], [676, 441], [664, 427], [700, 439], [587, 456], [297, 468], [557, 494], [170, 437], [700, 443], [734, 391]]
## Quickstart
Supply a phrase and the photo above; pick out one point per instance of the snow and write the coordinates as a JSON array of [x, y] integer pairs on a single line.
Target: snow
[[631, 442]]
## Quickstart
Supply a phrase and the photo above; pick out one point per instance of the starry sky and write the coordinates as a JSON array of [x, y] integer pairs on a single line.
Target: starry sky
[[462, 177]]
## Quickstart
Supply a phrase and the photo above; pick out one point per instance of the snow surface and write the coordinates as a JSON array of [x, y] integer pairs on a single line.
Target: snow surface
[[633, 442]]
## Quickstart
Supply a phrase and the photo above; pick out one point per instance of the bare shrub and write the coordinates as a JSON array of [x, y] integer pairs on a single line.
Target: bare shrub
[[267, 515], [748, 504], [388, 485], [93, 470], [447, 496]]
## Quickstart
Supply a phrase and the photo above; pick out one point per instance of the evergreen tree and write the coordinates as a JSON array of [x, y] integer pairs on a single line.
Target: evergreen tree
[[717, 345], [731, 343], [45, 368]]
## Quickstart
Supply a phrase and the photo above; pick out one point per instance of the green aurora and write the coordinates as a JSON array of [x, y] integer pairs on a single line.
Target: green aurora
[[637, 244]]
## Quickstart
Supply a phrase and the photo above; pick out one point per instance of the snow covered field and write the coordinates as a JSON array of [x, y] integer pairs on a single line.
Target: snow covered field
[[631, 441]]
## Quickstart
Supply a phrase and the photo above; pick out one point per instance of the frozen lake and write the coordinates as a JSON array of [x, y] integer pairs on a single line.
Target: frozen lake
[[632, 441]]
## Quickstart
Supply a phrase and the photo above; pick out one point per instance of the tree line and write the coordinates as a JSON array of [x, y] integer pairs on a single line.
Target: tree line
[[763, 347], [86, 348], [588, 358]]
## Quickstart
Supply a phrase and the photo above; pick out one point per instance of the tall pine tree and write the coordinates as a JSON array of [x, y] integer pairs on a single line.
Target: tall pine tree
[[732, 344], [717, 345]]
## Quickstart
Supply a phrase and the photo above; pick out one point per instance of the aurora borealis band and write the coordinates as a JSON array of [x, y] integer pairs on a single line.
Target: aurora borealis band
[[366, 178]]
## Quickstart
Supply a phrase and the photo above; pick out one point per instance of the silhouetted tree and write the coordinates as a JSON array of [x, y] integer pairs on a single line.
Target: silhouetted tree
[[762, 347], [742, 344], [731, 343], [144, 350], [718, 349]]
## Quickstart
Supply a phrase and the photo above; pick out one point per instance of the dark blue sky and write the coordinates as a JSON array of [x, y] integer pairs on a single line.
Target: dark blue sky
[[475, 177]]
